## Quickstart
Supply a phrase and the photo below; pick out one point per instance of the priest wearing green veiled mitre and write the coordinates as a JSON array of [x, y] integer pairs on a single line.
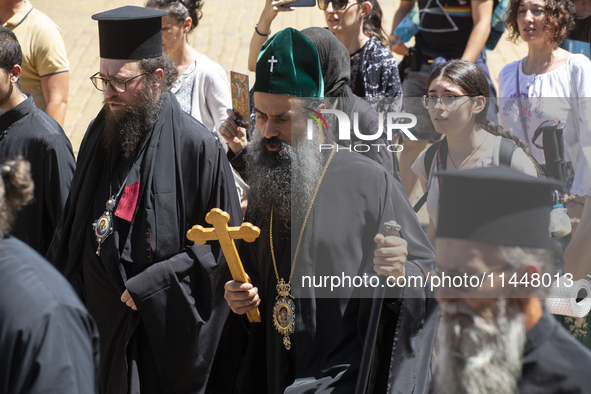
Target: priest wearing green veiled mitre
[[319, 209]]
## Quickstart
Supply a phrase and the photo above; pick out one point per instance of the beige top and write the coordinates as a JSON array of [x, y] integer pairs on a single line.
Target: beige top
[[42, 44]]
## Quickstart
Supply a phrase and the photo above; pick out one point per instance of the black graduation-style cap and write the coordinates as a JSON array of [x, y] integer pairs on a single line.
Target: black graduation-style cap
[[496, 205], [130, 33]]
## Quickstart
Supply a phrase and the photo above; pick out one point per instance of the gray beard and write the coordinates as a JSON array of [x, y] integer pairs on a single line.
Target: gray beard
[[484, 357], [272, 174], [129, 126]]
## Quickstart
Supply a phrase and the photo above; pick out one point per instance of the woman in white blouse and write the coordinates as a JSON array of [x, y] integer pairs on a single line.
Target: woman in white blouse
[[202, 88], [549, 83]]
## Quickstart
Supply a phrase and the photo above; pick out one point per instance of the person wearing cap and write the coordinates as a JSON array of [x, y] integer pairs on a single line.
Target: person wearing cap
[[147, 172], [28, 132], [319, 209], [496, 336]]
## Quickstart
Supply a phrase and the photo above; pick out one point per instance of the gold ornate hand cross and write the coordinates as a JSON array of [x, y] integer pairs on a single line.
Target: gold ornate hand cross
[[226, 236]]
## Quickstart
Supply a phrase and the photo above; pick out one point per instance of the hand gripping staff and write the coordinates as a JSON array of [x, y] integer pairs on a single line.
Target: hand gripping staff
[[226, 236], [391, 229]]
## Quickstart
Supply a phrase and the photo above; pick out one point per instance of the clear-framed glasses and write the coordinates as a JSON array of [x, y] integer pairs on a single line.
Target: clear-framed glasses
[[338, 5], [117, 85], [448, 100]]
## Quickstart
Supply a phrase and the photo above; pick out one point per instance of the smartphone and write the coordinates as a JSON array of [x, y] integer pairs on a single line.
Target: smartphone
[[301, 3], [240, 98]]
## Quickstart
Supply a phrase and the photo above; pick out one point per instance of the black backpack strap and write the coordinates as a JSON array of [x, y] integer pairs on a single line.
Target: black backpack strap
[[506, 150], [429, 156], [421, 202]]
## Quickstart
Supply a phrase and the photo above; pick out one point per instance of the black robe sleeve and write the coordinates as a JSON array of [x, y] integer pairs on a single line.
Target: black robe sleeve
[[180, 299], [238, 162], [58, 169], [48, 341], [409, 318]]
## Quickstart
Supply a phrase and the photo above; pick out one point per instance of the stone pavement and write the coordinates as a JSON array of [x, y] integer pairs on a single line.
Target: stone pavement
[[223, 34]]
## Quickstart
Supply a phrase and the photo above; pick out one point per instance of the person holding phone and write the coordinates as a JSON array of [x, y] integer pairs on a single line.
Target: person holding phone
[[262, 30], [358, 26]]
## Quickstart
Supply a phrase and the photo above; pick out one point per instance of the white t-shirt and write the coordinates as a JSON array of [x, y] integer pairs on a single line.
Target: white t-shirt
[[547, 97], [520, 162]]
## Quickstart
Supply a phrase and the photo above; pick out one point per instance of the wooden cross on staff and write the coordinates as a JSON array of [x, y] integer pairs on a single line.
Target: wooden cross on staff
[[226, 236]]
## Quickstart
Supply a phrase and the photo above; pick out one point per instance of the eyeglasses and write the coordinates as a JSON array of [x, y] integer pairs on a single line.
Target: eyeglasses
[[338, 5], [448, 100], [116, 84]]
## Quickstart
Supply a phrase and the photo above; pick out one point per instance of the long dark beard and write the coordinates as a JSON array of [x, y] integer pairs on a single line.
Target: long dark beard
[[272, 174], [484, 357], [129, 126]]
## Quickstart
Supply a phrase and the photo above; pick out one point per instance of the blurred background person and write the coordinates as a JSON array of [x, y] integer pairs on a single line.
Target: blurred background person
[[45, 62], [358, 26], [578, 40], [549, 83], [457, 102], [202, 88], [48, 341]]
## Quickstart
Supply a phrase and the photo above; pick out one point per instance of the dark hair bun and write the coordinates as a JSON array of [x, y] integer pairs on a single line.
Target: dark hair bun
[[16, 190]]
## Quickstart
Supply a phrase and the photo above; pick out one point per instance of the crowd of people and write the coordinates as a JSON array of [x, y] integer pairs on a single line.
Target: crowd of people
[[102, 291]]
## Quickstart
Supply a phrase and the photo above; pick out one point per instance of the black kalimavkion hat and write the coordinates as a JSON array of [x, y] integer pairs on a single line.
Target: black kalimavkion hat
[[130, 33], [496, 205]]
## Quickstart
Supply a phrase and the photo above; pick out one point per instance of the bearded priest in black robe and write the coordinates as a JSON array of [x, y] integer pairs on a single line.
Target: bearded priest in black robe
[[319, 210], [499, 337], [146, 173]]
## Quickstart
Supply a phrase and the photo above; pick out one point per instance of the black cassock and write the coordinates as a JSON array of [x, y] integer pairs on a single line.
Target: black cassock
[[48, 341], [355, 198], [553, 361], [28, 132], [181, 173]]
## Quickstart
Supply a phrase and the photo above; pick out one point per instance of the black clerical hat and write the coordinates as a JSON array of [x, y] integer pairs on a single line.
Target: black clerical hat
[[496, 205], [130, 32]]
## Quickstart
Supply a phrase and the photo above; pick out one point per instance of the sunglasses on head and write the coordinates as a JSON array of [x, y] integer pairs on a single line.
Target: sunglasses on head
[[336, 4]]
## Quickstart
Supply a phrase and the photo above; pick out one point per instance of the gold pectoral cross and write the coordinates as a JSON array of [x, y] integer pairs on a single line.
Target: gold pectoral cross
[[226, 236]]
